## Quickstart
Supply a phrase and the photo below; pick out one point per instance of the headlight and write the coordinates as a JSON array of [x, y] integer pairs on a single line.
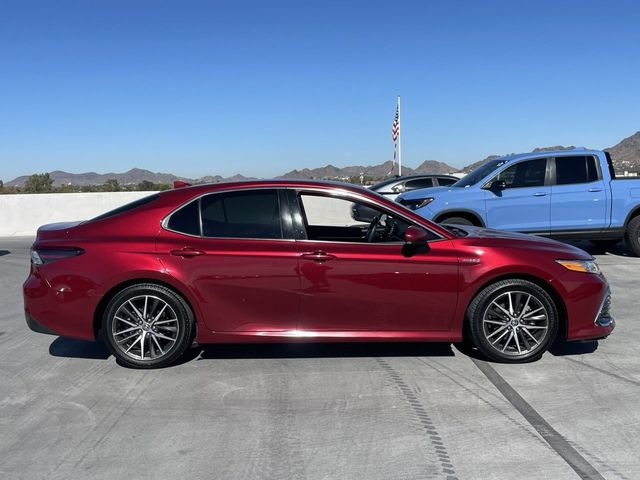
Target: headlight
[[416, 203], [585, 266]]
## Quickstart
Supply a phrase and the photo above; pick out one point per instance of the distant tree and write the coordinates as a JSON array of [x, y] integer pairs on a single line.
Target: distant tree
[[1, 186], [66, 188], [111, 185], [38, 183], [146, 185]]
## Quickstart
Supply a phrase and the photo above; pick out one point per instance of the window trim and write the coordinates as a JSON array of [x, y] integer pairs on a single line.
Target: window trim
[[286, 230], [298, 209]]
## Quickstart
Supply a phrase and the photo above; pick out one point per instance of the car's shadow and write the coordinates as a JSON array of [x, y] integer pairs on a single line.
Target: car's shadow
[[96, 350], [72, 348], [4, 252], [562, 348], [559, 348], [323, 350]]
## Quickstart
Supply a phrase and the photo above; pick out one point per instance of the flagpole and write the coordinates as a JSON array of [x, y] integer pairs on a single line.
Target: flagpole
[[399, 142]]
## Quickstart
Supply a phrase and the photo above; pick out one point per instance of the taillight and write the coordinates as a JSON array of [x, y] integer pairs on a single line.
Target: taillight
[[42, 256]]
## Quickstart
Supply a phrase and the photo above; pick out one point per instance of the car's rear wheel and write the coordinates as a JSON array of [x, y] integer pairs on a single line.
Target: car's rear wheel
[[632, 235], [512, 321], [147, 326]]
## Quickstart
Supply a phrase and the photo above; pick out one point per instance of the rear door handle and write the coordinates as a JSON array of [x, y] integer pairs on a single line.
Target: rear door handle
[[595, 189], [318, 256], [187, 252], [540, 194]]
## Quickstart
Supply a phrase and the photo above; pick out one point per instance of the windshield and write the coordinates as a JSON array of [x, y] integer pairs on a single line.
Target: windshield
[[479, 173]]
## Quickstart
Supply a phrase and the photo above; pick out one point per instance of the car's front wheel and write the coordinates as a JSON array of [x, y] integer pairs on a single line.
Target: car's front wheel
[[512, 321], [147, 326]]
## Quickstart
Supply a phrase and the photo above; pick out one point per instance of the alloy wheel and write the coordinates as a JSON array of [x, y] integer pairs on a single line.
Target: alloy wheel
[[145, 327], [515, 323]]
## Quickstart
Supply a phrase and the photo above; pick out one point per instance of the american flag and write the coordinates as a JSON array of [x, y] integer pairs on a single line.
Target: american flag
[[395, 127]]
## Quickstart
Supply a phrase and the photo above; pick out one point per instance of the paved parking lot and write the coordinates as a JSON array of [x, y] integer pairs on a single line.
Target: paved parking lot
[[395, 411]]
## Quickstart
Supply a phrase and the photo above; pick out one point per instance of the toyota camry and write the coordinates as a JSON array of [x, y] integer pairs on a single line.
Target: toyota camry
[[276, 261]]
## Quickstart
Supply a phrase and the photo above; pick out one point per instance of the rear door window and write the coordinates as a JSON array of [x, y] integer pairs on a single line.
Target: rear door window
[[446, 181], [245, 214], [418, 183], [576, 169], [186, 219]]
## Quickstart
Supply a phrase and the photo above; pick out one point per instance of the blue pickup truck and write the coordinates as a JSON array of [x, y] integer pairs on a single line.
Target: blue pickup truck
[[567, 194]]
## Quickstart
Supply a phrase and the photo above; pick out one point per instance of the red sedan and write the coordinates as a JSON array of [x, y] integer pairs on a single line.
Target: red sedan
[[273, 261]]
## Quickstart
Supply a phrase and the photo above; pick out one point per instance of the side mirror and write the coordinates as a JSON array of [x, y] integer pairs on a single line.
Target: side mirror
[[399, 188], [416, 236], [498, 185]]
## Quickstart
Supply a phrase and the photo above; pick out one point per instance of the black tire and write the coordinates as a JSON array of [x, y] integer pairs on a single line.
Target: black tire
[[165, 341], [518, 332], [457, 221], [632, 236]]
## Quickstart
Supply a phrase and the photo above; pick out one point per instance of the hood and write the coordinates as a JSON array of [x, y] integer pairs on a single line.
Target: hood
[[497, 238], [425, 192]]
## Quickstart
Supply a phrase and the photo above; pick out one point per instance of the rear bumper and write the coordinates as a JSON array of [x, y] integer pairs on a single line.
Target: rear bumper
[[36, 326], [61, 305]]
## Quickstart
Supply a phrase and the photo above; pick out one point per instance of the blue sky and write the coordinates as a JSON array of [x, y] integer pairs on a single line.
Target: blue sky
[[260, 88]]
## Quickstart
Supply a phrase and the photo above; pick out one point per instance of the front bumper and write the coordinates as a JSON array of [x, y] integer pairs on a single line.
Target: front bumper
[[589, 307], [604, 318]]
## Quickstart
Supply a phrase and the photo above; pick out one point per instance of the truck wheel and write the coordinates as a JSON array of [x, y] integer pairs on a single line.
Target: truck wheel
[[632, 235], [457, 221]]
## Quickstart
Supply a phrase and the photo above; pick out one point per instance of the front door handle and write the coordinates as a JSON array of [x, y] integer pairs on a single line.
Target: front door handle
[[318, 256], [540, 194], [187, 252], [595, 189]]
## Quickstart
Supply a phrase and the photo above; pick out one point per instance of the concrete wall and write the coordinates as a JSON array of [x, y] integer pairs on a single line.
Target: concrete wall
[[23, 214]]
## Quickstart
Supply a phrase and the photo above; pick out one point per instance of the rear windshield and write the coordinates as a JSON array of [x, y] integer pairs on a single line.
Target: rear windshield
[[128, 207]]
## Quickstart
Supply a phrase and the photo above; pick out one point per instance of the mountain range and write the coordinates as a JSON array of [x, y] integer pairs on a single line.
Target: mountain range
[[626, 157]]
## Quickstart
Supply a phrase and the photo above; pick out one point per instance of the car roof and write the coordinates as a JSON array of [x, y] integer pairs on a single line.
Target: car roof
[[548, 153], [413, 176], [184, 194], [273, 183]]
